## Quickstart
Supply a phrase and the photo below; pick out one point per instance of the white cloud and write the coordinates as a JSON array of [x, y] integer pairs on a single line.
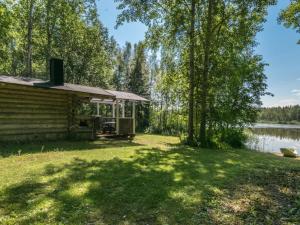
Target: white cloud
[[296, 92]]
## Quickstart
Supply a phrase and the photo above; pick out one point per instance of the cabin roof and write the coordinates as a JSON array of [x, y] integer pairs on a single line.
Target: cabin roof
[[66, 87], [127, 96], [94, 91]]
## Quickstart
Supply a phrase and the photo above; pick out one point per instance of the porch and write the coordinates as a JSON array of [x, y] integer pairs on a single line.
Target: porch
[[121, 120]]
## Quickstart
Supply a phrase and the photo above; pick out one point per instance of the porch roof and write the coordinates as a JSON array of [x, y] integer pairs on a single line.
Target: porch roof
[[121, 95]]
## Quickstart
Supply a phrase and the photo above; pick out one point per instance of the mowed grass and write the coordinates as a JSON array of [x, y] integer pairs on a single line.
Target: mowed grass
[[152, 180]]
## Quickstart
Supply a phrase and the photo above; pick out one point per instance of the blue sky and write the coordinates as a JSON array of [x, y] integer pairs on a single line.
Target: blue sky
[[277, 45]]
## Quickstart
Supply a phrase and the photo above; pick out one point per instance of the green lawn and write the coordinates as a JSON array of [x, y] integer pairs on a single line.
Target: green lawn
[[152, 180]]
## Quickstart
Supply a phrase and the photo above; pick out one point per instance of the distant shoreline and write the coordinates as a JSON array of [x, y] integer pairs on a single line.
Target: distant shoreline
[[278, 122]]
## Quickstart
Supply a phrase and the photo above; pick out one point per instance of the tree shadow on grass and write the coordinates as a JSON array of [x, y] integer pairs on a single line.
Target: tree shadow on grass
[[109, 192], [177, 186], [7, 150], [269, 197]]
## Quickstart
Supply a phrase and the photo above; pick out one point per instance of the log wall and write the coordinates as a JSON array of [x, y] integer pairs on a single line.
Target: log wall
[[30, 113]]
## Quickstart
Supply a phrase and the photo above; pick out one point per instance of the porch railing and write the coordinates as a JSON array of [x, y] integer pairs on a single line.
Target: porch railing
[[107, 125]]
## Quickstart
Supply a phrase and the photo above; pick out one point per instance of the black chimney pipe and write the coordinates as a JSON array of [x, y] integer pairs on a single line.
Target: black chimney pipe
[[56, 71]]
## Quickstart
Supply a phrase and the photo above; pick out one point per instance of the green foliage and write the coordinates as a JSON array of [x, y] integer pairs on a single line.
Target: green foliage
[[69, 30], [290, 17], [5, 23], [230, 137]]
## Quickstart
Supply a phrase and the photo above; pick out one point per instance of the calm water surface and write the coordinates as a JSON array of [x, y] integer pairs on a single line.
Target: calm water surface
[[272, 137]]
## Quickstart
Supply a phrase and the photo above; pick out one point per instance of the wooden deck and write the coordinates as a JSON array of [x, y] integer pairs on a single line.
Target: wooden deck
[[115, 136]]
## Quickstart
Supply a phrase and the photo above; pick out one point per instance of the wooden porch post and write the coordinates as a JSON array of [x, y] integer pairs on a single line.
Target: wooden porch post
[[98, 110], [133, 117], [123, 109], [117, 117], [113, 110]]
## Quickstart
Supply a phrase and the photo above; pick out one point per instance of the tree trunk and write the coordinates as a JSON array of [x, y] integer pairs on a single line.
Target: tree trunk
[[205, 88], [29, 39], [191, 73], [161, 114]]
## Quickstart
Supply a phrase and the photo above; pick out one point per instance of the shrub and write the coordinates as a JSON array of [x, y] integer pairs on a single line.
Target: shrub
[[233, 137]]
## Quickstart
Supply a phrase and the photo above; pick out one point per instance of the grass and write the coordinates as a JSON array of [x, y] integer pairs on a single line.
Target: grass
[[152, 180]]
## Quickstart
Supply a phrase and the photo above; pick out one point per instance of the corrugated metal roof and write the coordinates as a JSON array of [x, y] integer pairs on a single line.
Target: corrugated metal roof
[[127, 96], [66, 87]]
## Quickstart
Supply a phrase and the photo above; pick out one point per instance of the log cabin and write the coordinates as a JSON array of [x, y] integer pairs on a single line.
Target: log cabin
[[34, 110]]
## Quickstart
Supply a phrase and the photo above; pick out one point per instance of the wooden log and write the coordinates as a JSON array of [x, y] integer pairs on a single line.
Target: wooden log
[[33, 102], [32, 121], [32, 116], [37, 98], [32, 131], [30, 110], [9, 127], [33, 106], [34, 92]]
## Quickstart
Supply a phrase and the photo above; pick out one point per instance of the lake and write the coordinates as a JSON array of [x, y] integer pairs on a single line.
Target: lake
[[272, 137]]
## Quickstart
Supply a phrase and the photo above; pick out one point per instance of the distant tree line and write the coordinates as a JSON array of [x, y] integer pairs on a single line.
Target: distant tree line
[[286, 114]]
